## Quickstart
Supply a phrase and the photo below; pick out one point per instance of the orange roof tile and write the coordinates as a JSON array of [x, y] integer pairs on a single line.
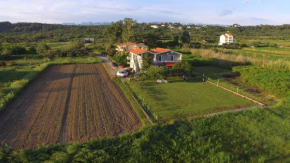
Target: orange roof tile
[[126, 44], [159, 50], [138, 51]]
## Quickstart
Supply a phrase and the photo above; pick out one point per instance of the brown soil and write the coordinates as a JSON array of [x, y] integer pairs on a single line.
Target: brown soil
[[70, 103]]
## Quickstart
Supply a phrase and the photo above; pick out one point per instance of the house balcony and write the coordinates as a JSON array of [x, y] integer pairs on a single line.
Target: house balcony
[[168, 61]]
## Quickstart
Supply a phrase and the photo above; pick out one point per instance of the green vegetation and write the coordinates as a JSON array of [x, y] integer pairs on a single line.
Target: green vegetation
[[230, 80], [120, 59], [154, 72], [257, 135], [179, 99], [273, 82]]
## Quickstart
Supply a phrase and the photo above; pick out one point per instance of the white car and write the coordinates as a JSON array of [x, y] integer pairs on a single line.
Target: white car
[[122, 73]]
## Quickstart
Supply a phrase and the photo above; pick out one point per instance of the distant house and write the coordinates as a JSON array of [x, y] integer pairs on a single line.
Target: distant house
[[171, 27], [159, 56], [227, 38], [236, 25], [154, 26], [126, 47], [87, 40]]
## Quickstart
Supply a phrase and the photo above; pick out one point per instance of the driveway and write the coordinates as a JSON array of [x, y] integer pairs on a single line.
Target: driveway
[[112, 70]]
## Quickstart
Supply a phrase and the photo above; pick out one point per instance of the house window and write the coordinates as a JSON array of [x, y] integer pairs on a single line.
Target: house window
[[160, 58]]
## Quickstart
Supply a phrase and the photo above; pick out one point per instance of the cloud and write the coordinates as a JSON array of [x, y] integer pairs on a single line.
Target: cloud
[[243, 3], [226, 12]]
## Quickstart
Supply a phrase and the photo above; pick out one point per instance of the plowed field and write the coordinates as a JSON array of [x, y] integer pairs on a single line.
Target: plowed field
[[70, 103]]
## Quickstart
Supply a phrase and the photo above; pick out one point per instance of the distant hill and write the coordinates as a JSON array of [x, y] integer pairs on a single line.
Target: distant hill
[[88, 23]]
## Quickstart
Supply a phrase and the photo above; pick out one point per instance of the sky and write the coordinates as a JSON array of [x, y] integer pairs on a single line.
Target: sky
[[226, 12]]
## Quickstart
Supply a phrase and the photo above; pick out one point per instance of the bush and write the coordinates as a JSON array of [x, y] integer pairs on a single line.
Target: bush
[[10, 63], [155, 72], [42, 49], [120, 59], [273, 82], [183, 67]]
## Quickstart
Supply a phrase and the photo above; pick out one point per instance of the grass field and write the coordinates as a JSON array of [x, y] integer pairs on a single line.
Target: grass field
[[263, 53], [217, 75], [267, 40], [58, 45], [181, 99]]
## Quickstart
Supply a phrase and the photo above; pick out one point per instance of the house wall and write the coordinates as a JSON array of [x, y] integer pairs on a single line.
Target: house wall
[[226, 40], [222, 40], [167, 57], [136, 61]]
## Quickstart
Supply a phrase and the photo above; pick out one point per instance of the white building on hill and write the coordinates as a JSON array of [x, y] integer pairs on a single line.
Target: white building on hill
[[227, 39]]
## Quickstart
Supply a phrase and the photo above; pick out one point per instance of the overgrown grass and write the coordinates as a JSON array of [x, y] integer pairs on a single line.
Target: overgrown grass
[[257, 135], [179, 99], [230, 60], [273, 82]]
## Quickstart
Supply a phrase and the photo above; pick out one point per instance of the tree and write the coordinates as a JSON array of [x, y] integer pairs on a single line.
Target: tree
[[182, 67], [121, 59], [128, 25], [42, 49], [155, 72], [185, 37], [146, 61]]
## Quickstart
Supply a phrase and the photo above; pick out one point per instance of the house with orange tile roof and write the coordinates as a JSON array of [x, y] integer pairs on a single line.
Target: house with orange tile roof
[[159, 57], [126, 47], [227, 38]]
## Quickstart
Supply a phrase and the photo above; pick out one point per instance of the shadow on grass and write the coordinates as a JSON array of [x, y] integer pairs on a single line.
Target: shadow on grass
[[188, 80]]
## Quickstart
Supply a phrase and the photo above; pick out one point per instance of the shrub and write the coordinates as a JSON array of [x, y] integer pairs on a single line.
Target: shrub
[[120, 59], [183, 67], [10, 63], [155, 72]]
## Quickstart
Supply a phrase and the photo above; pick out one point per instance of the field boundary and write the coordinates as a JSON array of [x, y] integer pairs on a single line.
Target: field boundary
[[232, 111], [243, 96], [135, 100], [143, 110]]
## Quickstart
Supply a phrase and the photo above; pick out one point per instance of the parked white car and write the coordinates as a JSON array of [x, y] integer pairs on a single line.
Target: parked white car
[[122, 73]]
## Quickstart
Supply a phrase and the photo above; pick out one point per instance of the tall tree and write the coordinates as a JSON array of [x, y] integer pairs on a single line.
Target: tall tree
[[185, 37], [128, 26]]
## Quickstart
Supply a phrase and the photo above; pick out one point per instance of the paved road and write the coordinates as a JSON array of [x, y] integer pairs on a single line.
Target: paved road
[[112, 70]]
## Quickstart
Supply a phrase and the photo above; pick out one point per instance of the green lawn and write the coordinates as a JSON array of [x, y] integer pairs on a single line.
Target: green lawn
[[58, 45], [216, 75], [180, 99]]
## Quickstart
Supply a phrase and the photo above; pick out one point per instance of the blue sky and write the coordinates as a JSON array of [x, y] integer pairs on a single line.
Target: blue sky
[[244, 12]]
